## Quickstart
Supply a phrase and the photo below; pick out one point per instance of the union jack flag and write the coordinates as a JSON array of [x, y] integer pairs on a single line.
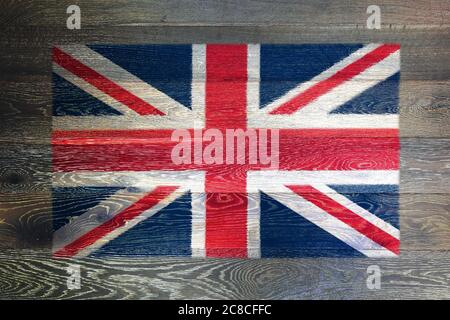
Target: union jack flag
[[116, 190]]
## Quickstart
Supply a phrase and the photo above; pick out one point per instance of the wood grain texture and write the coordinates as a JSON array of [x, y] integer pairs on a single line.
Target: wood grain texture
[[418, 63], [414, 275], [424, 110], [31, 28], [424, 166], [323, 14], [26, 220]]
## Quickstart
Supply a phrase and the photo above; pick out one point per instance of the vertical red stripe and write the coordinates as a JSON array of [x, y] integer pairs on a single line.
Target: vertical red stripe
[[348, 217], [226, 199], [137, 208], [338, 78], [226, 86]]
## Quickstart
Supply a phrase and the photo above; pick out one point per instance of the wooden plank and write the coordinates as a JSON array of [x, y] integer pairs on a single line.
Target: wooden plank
[[326, 14], [424, 221], [26, 219], [424, 166], [414, 275], [25, 168], [424, 109], [31, 28], [424, 53]]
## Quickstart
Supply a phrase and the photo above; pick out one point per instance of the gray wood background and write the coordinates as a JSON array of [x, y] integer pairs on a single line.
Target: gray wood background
[[31, 28]]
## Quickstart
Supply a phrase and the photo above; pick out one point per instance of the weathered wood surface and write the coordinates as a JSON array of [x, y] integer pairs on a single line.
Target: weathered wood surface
[[27, 48], [26, 100], [31, 28], [414, 275], [424, 166], [26, 220], [312, 14]]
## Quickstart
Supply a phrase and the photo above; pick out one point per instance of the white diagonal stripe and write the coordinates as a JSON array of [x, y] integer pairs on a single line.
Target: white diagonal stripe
[[176, 115], [87, 87], [94, 217], [332, 225], [124, 79], [316, 114], [363, 213], [131, 223], [353, 87], [358, 54], [141, 183]]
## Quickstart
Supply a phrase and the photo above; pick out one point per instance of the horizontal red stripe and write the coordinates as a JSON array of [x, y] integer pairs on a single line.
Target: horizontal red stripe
[[345, 74], [103, 84], [299, 150], [137, 208], [335, 152], [350, 218]]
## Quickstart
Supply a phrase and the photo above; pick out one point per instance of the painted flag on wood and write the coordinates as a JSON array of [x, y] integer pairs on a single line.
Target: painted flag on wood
[[328, 114]]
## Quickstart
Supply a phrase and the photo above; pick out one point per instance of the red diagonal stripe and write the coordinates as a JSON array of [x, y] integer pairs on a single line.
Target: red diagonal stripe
[[335, 80], [348, 217], [143, 204], [103, 84]]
